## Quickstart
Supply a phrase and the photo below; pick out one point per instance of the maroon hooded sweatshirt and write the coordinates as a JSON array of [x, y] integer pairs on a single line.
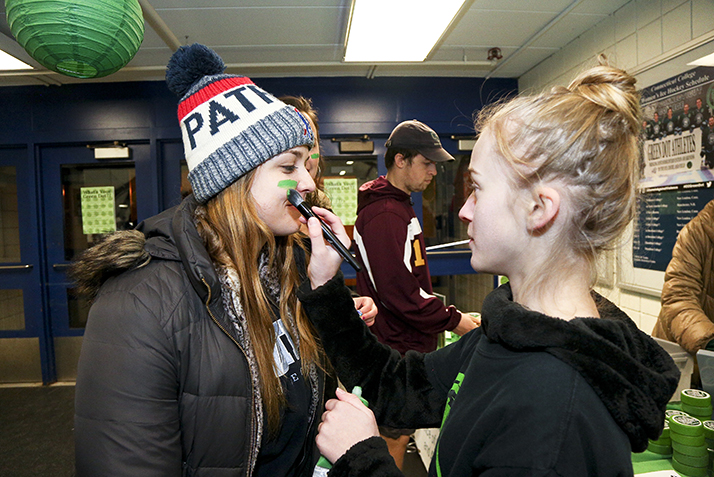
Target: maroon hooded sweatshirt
[[395, 272]]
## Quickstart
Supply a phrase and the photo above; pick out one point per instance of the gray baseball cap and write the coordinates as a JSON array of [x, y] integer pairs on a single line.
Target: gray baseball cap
[[416, 135]]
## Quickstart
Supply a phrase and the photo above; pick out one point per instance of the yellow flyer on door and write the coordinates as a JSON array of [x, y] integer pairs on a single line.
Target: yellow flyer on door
[[343, 195], [98, 210]]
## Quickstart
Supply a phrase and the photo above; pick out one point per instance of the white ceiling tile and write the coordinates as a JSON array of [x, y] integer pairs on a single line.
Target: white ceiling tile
[[599, 7], [202, 4], [501, 29], [527, 59], [551, 6], [566, 30], [268, 37], [248, 27], [647, 11], [669, 5]]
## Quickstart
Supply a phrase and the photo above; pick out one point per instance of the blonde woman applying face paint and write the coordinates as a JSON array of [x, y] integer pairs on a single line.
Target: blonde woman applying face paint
[[557, 381]]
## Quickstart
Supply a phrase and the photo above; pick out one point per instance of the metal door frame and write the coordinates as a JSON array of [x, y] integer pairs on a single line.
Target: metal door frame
[[50, 158], [28, 272]]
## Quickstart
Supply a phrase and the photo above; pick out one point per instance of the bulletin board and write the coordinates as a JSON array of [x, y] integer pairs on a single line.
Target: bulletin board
[[677, 176], [663, 212]]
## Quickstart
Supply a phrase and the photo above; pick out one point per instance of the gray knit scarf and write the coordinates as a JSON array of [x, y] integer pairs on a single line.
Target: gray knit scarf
[[230, 288]]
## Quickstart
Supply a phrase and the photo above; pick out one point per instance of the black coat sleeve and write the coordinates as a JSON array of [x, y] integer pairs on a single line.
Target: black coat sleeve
[[397, 388], [367, 458], [126, 400]]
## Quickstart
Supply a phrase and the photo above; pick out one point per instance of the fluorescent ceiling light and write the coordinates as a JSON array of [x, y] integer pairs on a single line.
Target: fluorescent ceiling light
[[703, 61], [8, 62], [397, 30]]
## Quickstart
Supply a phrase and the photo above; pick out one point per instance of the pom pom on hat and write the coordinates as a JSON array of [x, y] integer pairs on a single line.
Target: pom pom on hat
[[189, 64], [228, 124]]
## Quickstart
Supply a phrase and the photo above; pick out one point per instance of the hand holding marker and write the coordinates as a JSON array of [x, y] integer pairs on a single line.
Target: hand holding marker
[[297, 201], [323, 465]]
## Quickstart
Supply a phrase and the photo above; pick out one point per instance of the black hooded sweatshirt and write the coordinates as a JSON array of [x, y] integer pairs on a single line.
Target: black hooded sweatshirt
[[523, 395]]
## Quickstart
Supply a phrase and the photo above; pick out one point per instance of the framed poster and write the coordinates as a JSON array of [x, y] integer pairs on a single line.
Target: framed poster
[[677, 174]]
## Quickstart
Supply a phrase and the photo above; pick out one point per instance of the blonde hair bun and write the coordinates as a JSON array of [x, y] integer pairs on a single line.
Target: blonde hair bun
[[612, 89]]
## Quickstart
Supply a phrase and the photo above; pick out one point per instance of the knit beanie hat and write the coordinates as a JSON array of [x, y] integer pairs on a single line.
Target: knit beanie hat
[[229, 125]]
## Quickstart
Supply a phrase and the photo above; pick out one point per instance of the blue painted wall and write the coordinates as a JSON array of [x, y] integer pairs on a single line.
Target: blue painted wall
[[34, 119], [147, 110]]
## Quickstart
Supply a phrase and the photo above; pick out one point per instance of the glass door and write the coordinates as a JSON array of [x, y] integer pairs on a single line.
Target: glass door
[[84, 199], [24, 355]]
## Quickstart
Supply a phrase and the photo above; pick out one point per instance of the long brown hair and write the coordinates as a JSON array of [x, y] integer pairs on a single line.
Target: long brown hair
[[235, 237]]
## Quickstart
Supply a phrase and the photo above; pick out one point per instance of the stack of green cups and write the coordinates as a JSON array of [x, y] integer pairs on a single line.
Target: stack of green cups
[[709, 433], [709, 440], [672, 412], [697, 404], [663, 444], [689, 450]]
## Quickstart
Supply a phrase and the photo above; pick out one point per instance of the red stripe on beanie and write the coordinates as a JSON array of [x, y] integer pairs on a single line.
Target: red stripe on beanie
[[208, 92]]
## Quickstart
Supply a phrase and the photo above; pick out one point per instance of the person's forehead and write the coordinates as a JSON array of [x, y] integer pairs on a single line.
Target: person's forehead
[[424, 159], [296, 152]]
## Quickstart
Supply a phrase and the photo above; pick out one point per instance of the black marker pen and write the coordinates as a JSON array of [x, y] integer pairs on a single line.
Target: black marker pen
[[296, 199]]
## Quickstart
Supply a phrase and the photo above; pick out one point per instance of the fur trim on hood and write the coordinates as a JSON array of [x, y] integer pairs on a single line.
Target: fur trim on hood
[[633, 376], [116, 253]]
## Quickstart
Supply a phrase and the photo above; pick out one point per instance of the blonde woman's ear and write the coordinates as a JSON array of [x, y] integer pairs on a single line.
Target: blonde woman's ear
[[544, 209]]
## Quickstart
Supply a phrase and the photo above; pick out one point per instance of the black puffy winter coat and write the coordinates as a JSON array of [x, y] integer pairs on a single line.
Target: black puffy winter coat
[[164, 387]]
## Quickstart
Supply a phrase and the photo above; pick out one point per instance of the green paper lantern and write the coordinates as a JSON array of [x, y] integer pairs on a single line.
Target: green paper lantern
[[79, 38]]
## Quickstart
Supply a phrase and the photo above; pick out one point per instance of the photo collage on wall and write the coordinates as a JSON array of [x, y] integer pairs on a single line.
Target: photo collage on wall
[[678, 162]]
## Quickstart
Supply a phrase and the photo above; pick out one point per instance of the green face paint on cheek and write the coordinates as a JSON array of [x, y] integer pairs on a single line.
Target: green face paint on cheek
[[315, 156], [287, 184]]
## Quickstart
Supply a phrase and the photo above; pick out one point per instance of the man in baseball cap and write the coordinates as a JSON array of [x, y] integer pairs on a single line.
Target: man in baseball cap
[[390, 245], [418, 136]]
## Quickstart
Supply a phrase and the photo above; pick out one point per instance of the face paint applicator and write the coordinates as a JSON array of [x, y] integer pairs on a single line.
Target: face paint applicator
[[297, 201]]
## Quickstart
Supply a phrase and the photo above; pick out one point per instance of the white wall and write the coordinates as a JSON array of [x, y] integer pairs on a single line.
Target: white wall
[[653, 39], [638, 37]]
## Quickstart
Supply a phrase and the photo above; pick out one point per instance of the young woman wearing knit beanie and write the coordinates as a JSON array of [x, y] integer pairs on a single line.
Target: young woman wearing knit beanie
[[198, 358]]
